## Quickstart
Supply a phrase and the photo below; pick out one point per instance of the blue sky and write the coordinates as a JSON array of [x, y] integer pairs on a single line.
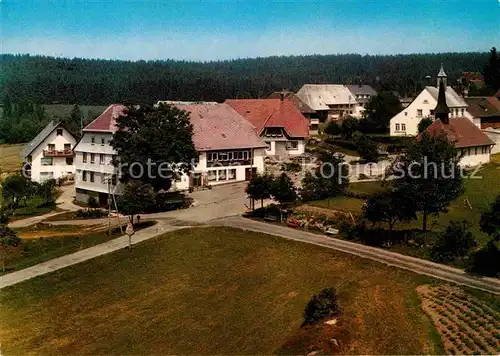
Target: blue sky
[[210, 30]]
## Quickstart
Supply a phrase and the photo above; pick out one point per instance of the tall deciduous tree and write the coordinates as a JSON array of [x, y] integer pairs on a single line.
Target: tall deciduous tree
[[389, 207], [490, 220], [330, 178], [428, 174], [492, 70], [137, 198], [381, 108], [259, 187], [283, 191], [150, 141], [424, 124]]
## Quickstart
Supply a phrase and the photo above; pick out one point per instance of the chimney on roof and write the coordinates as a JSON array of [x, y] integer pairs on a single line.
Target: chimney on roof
[[442, 111], [282, 95]]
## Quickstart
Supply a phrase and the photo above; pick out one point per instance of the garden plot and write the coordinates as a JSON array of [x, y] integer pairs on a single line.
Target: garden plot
[[466, 325]]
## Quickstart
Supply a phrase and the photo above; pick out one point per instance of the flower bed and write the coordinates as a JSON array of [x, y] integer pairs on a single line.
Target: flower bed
[[466, 325]]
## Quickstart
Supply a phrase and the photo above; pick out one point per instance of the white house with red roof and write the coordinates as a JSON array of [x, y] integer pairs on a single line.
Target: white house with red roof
[[278, 122], [473, 146], [228, 147]]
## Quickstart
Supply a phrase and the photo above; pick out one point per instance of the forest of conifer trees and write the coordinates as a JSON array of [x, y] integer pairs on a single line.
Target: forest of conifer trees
[[46, 80]]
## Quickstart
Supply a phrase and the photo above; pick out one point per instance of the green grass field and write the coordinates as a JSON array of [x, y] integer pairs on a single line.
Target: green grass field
[[43, 242], [480, 192], [10, 159], [211, 291]]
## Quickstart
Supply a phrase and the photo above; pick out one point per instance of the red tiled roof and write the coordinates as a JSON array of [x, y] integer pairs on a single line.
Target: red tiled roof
[[106, 122], [264, 113], [218, 127], [461, 131]]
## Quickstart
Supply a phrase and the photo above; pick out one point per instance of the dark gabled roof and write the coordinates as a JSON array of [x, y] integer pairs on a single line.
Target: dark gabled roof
[[42, 135], [299, 103], [461, 131], [483, 106], [362, 89]]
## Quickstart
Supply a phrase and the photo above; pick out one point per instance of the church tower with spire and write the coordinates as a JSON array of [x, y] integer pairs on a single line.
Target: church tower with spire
[[442, 77], [442, 111]]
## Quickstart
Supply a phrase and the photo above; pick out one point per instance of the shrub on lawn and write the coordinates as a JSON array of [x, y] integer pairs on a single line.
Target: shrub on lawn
[[292, 166], [321, 306], [92, 202], [485, 261], [89, 214], [455, 242]]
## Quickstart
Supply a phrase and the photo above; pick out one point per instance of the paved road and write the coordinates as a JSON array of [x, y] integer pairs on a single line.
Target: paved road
[[218, 207], [390, 258]]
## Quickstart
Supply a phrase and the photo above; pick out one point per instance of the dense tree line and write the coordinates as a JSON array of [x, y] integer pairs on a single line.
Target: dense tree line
[[45, 80]]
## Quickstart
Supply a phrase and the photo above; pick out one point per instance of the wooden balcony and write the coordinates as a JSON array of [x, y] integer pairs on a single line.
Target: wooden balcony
[[58, 153]]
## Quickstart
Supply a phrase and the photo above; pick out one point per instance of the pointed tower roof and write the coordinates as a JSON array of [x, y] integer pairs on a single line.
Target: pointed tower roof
[[442, 110], [441, 72]]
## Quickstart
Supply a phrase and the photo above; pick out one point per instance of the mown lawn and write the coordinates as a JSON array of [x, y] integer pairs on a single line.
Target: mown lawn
[[42, 242], [349, 203], [480, 192], [211, 291], [10, 160]]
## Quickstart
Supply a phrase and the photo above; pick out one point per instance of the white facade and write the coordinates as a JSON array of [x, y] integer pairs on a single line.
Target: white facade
[[494, 135], [406, 122], [473, 156], [94, 155], [53, 157], [284, 147]]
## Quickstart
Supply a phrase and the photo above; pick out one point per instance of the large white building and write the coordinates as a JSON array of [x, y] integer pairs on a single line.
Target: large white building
[[50, 154], [406, 122], [228, 148]]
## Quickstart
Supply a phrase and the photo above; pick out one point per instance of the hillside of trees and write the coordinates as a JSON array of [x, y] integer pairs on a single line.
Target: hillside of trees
[[45, 80]]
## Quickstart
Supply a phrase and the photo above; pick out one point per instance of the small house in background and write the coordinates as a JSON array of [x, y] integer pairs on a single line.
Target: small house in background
[[278, 122], [486, 109], [50, 154], [363, 94], [331, 102], [305, 109]]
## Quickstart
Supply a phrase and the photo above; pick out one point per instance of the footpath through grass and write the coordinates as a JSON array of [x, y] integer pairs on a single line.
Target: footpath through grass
[[211, 291], [42, 242]]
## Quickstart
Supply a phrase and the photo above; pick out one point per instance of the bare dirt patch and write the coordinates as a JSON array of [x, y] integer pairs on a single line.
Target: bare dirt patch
[[467, 326]]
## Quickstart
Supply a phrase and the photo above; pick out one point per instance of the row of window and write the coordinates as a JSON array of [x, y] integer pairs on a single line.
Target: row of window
[[49, 161], [220, 175], [52, 147], [474, 150], [102, 158], [90, 176], [229, 156], [401, 127], [103, 140], [290, 145], [453, 112]]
